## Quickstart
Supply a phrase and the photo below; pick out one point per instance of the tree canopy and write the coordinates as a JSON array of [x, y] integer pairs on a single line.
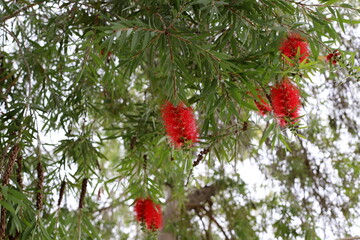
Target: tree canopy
[[115, 113]]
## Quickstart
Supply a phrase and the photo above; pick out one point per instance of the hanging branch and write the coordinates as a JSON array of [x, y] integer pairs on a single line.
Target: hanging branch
[[5, 181], [19, 179], [4, 156], [83, 193], [40, 186], [145, 169], [62, 191], [145, 162], [13, 156], [19, 170], [199, 157]]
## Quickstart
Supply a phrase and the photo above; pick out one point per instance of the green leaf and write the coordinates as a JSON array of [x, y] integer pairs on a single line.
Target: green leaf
[[329, 2], [28, 230], [236, 96], [44, 232], [298, 134], [8, 207], [340, 19], [282, 139], [345, 5], [4, 191], [8, 10], [266, 134], [134, 41]]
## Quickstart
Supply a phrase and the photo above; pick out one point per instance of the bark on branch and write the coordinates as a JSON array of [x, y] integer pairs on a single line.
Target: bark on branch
[[200, 196], [196, 199], [5, 181]]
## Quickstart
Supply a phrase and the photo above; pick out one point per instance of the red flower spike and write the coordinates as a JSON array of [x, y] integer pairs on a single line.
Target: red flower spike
[[139, 209], [264, 107], [153, 215], [179, 123], [294, 43], [149, 213], [285, 98]]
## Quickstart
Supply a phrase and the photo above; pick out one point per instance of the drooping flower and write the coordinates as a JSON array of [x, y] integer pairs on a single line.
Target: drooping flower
[[285, 99], [263, 106], [293, 44], [179, 123], [153, 215], [149, 213], [139, 209]]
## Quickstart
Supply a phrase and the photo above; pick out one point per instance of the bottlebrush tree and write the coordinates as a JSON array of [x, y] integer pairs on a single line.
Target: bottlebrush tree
[[177, 119]]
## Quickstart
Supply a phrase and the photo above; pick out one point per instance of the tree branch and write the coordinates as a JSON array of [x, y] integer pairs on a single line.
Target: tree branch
[[208, 213], [199, 196], [196, 200], [17, 12], [349, 238], [203, 224]]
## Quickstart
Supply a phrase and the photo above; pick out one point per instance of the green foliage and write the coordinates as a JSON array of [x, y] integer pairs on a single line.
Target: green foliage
[[82, 84]]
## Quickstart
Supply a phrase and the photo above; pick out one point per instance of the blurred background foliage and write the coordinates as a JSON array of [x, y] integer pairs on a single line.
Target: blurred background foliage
[[81, 136]]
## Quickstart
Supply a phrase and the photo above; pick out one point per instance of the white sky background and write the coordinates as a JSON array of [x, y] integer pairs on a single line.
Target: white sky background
[[248, 169]]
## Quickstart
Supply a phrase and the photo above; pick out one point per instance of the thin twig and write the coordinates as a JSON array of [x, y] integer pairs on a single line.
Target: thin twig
[[349, 238], [141, 29], [188, 178], [189, 42], [202, 222], [172, 61], [216, 222], [5, 181], [243, 17], [320, 5], [17, 12], [181, 10], [149, 44]]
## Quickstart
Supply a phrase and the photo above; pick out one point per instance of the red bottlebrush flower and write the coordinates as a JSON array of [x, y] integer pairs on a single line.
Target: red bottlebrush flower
[[263, 106], [285, 98], [139, 209], [153, 215], [179, 123], [289, 47], [332, 57], [148, 213]]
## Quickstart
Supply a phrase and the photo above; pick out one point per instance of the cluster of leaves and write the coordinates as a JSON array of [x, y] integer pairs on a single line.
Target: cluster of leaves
[[92, 75]]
